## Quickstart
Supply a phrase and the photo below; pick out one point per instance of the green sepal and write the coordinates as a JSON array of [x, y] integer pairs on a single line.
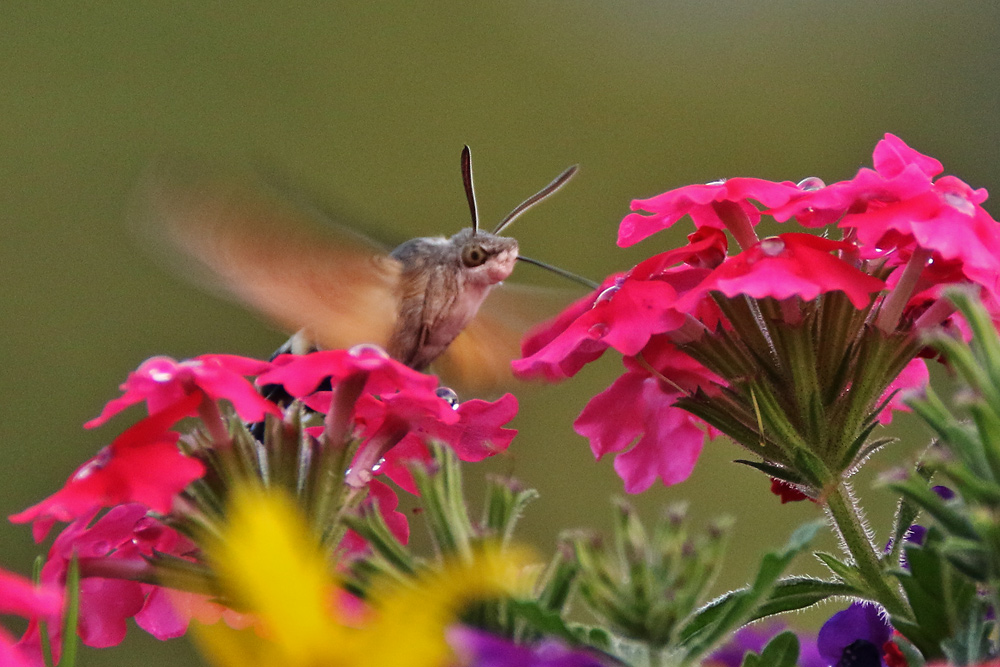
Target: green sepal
[[847, 573], [775, 471], [504, 506]]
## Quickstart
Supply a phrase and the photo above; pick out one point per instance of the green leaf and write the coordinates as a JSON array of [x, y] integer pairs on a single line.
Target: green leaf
[[781, 651], [919, 492], [777, 472], [939, 596], [794, 593], [551, 623], [702, 633]]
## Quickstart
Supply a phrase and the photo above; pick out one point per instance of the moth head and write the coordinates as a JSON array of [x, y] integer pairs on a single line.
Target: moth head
[[488, 255], [485, 257]]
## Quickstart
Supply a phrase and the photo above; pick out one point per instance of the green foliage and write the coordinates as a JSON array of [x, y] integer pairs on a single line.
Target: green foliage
[[781, 651]]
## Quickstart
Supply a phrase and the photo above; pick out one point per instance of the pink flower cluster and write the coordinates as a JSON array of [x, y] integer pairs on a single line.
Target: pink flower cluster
[[19, 596], [905, 235], [388, 410]]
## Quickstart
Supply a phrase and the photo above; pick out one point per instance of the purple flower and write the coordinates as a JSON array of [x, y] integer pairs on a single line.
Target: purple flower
[[855, 637], [477, 648]]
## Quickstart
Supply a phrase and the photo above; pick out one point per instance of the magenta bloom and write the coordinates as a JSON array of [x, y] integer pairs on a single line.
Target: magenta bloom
[[392, 409], [302, 375], [478, 434], [162, 382], [117, 544], [142, 465], [384, 499], [786, 266], [636, 419], [804, 335], [701, 203], [914, 377], [20, 597], [624, 313]]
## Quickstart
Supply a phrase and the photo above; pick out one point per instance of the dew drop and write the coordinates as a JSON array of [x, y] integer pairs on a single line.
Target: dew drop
[[720, 181], [772, 247], [160, 376], [811, 184], [959, 203], [98, 462], [101, 546], [378, 465], [448, 395], [367, 349], [598, 331], [626, 228], [608, 293]]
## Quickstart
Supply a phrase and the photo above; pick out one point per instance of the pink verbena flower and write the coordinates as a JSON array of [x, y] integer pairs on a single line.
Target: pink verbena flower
[[21, 597], [808, 339], [383, 498], [141, 465], [706, 204], [636, 418], [624, 312], [478, 434], [120, 542], [162, 382], [786, 266], [391, 409]]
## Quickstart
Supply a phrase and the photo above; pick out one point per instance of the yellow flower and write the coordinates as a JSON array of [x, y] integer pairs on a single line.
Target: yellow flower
[[269, 565]]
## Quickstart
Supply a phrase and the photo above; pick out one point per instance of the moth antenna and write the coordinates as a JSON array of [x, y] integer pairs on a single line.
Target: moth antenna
[[542, 194], [569, 275], [470, 190]]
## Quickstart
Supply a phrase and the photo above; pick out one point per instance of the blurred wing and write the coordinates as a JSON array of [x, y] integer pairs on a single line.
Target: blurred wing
[[339, 286], [478, 360]]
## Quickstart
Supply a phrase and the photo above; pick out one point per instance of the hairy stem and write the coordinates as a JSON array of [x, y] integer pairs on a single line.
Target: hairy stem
[[845, 514]]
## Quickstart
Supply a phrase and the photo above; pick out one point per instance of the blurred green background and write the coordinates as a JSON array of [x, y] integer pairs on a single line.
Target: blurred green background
[[367, 104]]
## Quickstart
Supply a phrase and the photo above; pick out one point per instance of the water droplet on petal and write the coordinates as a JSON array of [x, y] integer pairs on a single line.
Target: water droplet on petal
[[448, 395], [607, 294], [101, 546], [626, 229], [720, 181], [367, 349], [772, 247], [99, 461], [598, 331], [811, 184], [959, 203], [378, 465], [160, 376]]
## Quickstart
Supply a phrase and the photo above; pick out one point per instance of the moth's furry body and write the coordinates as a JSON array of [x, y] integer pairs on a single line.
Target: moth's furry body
[[440, 294]]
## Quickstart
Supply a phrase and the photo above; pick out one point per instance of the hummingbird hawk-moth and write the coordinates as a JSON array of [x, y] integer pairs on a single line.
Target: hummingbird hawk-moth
[[430, 300]]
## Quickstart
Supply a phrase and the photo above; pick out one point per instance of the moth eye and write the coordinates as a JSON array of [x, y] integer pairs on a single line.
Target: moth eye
[[473, 256]]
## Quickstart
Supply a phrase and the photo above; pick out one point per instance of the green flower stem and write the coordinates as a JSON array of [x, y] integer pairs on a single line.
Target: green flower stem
[[844, 512]]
